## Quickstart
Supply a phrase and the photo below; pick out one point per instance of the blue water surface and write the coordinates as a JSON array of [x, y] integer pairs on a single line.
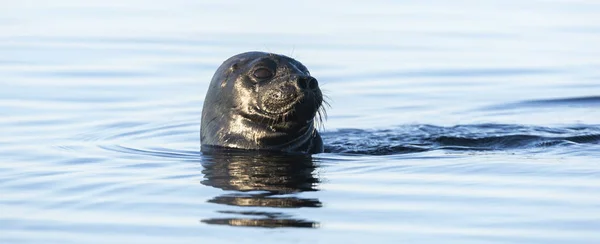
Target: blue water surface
[[450, 122]]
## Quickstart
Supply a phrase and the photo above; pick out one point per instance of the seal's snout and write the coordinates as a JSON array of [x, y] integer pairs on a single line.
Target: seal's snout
[[308, 82], [280, 98], [283, 93]]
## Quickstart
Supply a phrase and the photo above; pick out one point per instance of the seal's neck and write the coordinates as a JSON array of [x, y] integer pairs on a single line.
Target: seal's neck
[[289, 132]]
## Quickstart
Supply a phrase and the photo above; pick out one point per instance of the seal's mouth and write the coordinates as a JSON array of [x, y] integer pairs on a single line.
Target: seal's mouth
[[280, 100], [289, 104], [290, 101]]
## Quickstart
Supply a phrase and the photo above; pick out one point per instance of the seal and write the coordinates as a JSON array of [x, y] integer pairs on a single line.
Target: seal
[[262, 101]]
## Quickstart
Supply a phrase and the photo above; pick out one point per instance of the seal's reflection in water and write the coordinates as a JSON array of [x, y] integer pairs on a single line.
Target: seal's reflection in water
[[264, 180]]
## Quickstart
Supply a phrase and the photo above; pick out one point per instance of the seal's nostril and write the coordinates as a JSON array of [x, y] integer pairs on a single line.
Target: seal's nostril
[[308, 83], [312, 83]]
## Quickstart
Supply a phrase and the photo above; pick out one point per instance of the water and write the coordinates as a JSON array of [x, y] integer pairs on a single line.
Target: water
[[450, 122]]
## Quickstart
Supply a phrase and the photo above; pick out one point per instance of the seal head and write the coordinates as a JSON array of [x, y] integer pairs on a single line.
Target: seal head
[[262, 101]]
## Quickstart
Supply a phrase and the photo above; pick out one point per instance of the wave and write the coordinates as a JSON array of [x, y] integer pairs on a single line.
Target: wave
[[584, 101], [396, 140], [481, 137]]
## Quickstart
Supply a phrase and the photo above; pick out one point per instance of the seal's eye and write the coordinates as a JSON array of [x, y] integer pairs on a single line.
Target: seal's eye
[[262, 73]]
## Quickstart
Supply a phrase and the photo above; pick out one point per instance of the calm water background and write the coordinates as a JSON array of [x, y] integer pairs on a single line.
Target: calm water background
[[450, 121]]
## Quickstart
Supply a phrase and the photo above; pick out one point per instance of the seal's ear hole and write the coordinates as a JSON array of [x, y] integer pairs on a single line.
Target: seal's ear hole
[[234, 67], [262, 73]]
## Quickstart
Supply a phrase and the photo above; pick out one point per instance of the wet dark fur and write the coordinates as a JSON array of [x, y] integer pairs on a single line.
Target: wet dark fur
[[262, 101]]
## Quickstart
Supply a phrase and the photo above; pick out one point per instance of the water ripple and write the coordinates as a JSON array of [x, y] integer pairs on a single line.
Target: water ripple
[[481, 137], [587, 101]]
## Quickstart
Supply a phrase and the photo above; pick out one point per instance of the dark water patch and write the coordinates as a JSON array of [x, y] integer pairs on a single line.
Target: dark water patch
[[397, 140], [371, 149], [261, 222], [265, 200], [257, 213], [493, 142], [271, 173], [587, 101], [267, 181], [483, 137], [584, 139], [591, 100]]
